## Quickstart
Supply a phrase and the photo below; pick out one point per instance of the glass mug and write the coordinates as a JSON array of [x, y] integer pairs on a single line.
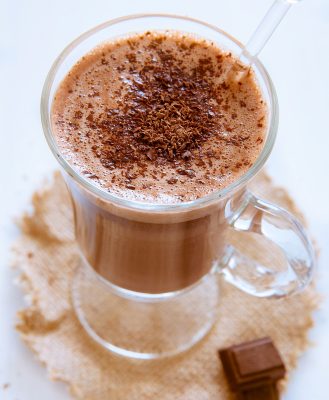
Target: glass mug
[[147, 286]]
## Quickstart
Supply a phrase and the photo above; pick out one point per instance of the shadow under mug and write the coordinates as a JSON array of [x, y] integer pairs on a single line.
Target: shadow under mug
[[147, 285]]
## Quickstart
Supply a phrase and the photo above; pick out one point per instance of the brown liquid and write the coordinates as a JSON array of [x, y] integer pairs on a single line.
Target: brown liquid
[[149, 119]]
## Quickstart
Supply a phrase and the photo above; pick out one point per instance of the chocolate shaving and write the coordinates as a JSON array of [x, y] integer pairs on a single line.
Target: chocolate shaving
[[172, 180], [130, 186]]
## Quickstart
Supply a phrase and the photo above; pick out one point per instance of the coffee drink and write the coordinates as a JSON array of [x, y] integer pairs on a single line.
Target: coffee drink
[[153, 119]]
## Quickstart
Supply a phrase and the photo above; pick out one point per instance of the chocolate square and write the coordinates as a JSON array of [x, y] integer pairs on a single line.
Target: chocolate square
[[268, 392], [251, 359], [252, 365]]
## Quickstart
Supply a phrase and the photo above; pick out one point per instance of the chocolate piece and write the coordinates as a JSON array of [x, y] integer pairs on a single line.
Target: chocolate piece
[[253, 368], [268, 392]]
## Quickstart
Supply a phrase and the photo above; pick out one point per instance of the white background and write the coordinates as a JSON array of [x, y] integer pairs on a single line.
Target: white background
[[33, 32]]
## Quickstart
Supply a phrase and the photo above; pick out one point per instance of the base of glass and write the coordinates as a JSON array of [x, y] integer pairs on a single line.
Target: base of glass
[[144, 327]]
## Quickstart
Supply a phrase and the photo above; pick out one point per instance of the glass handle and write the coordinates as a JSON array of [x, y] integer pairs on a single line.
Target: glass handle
[[278, 259]]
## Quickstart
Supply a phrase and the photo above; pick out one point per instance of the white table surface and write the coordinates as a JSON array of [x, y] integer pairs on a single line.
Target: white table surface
[[33, 32]]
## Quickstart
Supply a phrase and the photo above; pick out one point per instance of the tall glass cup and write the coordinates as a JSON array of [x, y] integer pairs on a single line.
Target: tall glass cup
[[147, 285]]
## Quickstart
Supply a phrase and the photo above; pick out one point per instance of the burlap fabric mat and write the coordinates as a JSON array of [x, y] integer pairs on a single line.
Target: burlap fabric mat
[[47, 256]]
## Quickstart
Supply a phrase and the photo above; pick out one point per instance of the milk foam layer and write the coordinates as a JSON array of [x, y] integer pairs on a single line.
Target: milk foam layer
[[150, 118]]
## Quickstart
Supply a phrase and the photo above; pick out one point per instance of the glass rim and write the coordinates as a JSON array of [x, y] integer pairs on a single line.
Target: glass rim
[[92, 187]]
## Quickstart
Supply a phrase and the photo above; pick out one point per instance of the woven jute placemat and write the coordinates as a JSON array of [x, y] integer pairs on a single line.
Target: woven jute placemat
[[46, 254]]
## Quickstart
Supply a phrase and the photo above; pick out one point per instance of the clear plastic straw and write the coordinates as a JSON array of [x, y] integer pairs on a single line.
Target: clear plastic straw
[[260, 37]]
